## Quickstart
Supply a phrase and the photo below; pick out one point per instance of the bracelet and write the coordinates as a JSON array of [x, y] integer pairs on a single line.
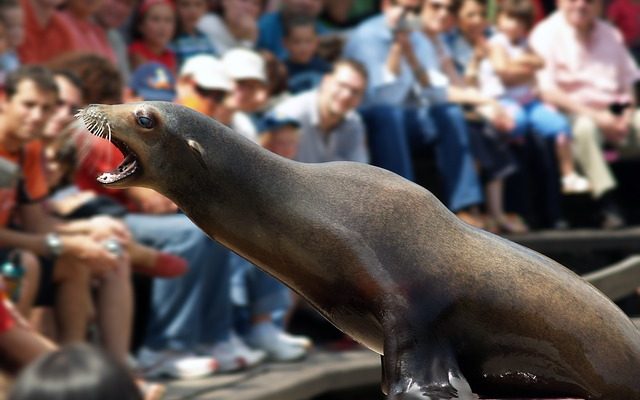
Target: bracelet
[[54, 244]]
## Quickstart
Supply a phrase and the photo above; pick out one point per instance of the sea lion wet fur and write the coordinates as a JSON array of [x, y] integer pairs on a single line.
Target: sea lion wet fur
[[388, 264]]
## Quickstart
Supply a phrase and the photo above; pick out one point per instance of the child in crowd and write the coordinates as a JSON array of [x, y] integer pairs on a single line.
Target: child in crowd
[[304, 67], [280, 136], [153, 29], [190, 40], [516, 65]]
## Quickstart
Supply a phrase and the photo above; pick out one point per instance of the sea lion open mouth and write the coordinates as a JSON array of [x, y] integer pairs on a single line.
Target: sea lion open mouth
[[98, 124]]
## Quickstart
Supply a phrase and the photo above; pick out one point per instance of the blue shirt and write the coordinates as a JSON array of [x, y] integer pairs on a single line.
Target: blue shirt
[[271, 33], [370, 44]]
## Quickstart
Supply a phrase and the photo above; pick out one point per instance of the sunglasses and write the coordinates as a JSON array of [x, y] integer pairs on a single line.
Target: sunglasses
[[214, 94]]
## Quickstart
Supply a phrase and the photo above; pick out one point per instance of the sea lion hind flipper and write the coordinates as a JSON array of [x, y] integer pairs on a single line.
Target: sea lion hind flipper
[[429, 365]]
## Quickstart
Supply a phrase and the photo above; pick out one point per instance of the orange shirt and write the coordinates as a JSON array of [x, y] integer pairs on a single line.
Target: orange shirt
[[32, 185], [43, 43]]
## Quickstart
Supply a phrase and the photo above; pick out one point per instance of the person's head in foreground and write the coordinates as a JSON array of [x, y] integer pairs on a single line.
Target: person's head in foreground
[[75, 372]]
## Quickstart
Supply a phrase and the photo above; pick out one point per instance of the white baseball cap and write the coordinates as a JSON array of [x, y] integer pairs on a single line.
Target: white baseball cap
[[208, 72], [243, 63]]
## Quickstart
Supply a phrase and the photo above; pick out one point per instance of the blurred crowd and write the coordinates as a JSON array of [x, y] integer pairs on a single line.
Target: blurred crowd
[[504, 99]]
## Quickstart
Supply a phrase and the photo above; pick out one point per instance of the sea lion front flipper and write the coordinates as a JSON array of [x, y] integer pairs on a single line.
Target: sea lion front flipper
[[430, 365]]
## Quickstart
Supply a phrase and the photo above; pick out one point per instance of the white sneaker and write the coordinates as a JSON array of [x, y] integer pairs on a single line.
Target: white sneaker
[[234, 354], [574, 183], [278, 345], [174, 364]]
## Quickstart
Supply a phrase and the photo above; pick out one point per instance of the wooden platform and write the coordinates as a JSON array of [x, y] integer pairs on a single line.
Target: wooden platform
[[321, 373], [581, 240]]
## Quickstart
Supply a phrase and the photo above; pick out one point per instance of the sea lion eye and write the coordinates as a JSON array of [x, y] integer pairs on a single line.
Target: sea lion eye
[[145, 122]]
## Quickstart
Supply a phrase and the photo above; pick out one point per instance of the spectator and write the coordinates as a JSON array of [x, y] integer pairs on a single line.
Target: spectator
[[331, 129], [516, 65], [397, 113], [75, 372], [76, 247], [280, 136], [43, 20], [271, 25], [11, 12], [624, 14], [237, 26], [575, 45], [247, 100], [190, 40], [112, 16], [12, 35], [203, 85], [153, 30], [304, 68], [86, 34]]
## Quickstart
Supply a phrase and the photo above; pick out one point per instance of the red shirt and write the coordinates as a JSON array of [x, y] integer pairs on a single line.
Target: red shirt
[[32, 185], [625, 14], [167, 57], [43, 43]]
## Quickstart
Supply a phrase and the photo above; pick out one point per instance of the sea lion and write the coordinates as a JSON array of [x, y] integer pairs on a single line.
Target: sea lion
[[447, 305]]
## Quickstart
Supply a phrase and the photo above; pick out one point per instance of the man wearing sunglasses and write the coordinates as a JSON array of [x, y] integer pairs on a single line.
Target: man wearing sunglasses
[[590, 75]]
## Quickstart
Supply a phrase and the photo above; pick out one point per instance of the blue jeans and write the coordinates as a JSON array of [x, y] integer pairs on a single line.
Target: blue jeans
[[395, 131], [195, 308], [254, 292], [538, 118]]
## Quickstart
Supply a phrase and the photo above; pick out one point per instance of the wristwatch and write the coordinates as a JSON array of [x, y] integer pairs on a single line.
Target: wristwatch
[[54, 244]]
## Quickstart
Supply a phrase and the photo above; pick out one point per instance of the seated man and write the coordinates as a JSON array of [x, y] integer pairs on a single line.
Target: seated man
[[577, 47], [330, 128]]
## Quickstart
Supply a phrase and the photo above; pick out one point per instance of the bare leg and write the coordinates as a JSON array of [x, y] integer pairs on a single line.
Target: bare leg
[[73, 300], [115, 310], [30, 283], [494, 192], [20, 344], [564, 155]]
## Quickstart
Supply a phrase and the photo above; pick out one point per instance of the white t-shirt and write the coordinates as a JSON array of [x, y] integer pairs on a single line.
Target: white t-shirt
[[522, 93]]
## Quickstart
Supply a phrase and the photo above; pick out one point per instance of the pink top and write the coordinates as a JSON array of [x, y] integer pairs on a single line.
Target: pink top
[[594, 73], [88, 36]]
